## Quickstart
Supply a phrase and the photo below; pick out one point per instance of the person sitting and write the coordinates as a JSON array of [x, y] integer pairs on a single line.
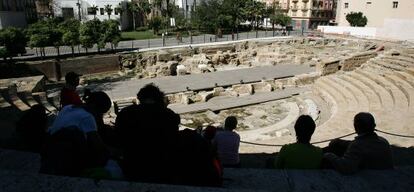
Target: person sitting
[[68, 94], [73, 146], [367, 151], [196, 163], [227, 143], [147, 133], [302, 154], [32, 127]]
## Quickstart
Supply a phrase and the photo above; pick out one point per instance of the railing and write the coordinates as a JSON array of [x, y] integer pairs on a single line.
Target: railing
[[154, 43]]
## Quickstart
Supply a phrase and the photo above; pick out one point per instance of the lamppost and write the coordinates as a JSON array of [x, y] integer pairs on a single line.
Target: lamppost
[[79, 9]]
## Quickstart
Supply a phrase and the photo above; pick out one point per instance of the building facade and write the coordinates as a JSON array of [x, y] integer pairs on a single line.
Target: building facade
[[376, 11], [82, 9], [307, 13], [17, 13], [311, 13]]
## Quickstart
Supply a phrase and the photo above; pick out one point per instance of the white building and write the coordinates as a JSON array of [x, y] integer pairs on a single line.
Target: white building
[[188, 6], [377, 11], [82, 9]]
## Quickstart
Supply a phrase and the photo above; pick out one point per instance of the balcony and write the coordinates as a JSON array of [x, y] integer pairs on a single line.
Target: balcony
[[295, 1], [294, 8], [305, 8], [305, 1]]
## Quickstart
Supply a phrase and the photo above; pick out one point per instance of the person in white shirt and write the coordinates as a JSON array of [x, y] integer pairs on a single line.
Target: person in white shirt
[[227, 143]]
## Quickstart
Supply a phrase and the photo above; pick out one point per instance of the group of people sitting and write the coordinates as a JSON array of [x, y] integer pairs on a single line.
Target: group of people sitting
[[146, 145]]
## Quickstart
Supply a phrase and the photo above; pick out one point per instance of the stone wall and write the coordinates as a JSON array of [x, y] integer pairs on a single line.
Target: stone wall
[[56, 69], [357, 60], [90, 65], [48, 68], [330, 67]]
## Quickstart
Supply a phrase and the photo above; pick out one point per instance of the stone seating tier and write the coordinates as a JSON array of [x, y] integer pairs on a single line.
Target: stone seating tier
[[18, 172]]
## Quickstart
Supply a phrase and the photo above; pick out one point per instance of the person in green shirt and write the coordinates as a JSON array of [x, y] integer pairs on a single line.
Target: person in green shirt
[[302, 154]]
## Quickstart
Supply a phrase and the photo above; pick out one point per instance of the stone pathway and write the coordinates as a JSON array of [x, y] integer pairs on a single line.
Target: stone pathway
[[175, 84], [217, 104]]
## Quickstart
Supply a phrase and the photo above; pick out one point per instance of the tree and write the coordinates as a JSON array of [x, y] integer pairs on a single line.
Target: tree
[[55, 35], [90, 33], [207, 15], [45, 33], [356, 19], [133, 8], [14, 42], [108, 9], [111, 34], [144, 7], [94, 10], [155, 24], [70, 31]]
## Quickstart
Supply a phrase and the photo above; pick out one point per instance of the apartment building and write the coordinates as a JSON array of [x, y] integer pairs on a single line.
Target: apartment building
[[17, 13], [377, 11], [307, 13]]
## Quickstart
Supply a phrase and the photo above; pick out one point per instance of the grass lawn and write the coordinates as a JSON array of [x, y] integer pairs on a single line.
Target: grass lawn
[[137, 35]]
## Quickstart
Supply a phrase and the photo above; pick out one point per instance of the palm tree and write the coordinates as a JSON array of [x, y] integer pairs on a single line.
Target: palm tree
[[94, 11], [144, 7], [133, 8], [120, 9], [108, 9]]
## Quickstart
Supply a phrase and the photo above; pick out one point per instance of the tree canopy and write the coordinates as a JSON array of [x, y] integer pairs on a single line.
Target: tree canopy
[[357, 19], [13, 40]]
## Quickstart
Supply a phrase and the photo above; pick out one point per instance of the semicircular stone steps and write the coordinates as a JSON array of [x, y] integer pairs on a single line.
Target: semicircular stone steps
[[373, 98], [340, 122], [359, 96], [402, 58], [386, 99]]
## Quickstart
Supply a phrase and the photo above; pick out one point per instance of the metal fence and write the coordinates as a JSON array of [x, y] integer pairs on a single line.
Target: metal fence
[[167, 41]]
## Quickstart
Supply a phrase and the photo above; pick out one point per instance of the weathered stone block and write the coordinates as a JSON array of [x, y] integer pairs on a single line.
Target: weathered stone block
[[241, 89]]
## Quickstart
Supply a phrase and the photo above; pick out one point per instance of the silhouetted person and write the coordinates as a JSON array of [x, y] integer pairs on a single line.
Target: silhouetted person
[[32, 127], [68, 94], [196, 163], [367, 151], [302, 154], [147, 134], [227, 143], [73, 145]]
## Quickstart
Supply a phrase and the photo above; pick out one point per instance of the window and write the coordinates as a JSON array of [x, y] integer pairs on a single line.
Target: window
[[102, 11], [116, 11], [67, 12], [346, 5], [395, 4], [91, 11], [369, 2]]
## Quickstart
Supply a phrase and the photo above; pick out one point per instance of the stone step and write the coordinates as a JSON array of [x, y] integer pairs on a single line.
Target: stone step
[[394, 118], [409, 90], [358, 95], [19, 172], [12, 97], [27, 98], [340, 122], [4, 103], [386, 98], [242, 180], [387, 65], [42, 98], [404, 61], [374, 100]]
